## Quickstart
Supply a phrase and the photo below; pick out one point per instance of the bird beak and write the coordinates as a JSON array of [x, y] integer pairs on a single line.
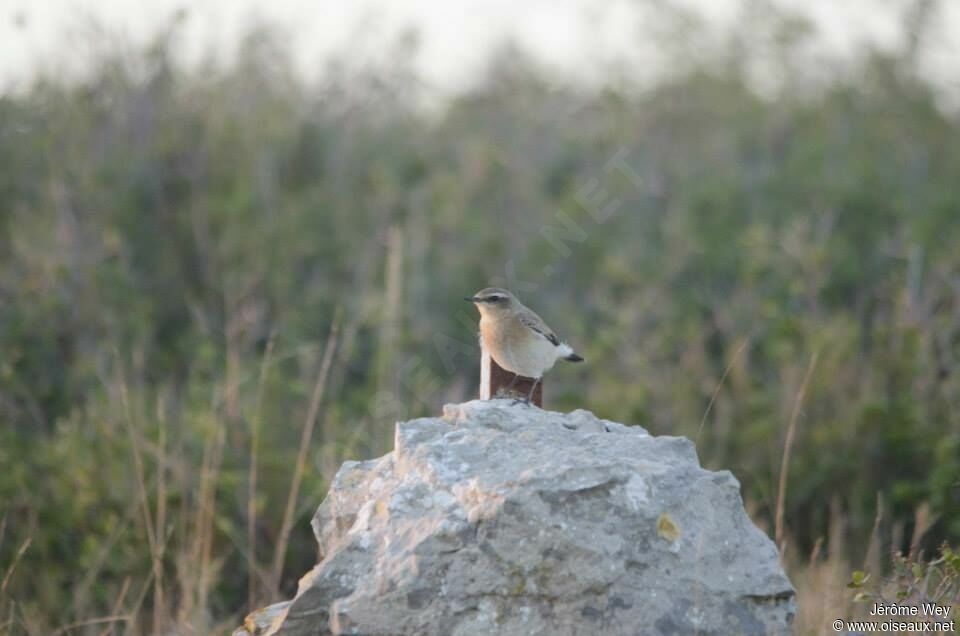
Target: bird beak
[[472, 299]]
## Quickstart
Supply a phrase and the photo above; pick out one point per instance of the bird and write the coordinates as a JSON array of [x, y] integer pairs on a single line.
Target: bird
[[517, 338]]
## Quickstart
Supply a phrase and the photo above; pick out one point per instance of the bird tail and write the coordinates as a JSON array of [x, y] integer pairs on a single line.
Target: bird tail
[[567, 352]]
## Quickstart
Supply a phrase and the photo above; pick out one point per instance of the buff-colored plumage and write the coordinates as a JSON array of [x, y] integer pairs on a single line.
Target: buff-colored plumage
[[515, 336]]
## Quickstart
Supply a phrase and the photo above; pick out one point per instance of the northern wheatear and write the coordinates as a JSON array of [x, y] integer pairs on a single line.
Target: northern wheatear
[[517, 338]]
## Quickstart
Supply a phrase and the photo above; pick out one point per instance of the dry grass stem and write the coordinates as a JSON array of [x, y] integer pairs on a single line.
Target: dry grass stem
[[315, 400], [787, 447]]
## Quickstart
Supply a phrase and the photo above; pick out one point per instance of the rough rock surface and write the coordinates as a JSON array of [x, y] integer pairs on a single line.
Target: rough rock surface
[[506, 519]]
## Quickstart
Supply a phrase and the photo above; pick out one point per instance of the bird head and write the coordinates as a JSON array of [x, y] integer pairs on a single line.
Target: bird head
[[492, 301]]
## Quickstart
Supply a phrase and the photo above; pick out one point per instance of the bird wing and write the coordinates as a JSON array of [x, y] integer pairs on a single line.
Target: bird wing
[[535, 322]]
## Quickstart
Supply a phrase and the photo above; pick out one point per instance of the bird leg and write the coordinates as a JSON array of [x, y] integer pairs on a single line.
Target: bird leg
[[506, 392], [533, 388], [529, 397]]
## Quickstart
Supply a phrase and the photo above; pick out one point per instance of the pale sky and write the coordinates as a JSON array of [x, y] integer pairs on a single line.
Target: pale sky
[[575, 36]]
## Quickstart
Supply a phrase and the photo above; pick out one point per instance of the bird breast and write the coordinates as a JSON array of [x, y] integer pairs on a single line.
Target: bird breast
[[516, 347]]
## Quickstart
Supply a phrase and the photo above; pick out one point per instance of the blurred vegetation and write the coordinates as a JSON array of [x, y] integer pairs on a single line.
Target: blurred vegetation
[[176, 243], [936, 581], [913, 582]]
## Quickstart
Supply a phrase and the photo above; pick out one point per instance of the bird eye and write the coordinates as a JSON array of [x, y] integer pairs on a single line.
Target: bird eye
[[494, 298]]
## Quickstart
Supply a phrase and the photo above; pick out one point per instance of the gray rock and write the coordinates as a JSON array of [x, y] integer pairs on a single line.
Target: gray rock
[[506, 519]]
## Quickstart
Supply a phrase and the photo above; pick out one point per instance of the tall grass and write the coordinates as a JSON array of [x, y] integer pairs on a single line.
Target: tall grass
[[787, 448], [316, 398], [176, 510], [254, 573]]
